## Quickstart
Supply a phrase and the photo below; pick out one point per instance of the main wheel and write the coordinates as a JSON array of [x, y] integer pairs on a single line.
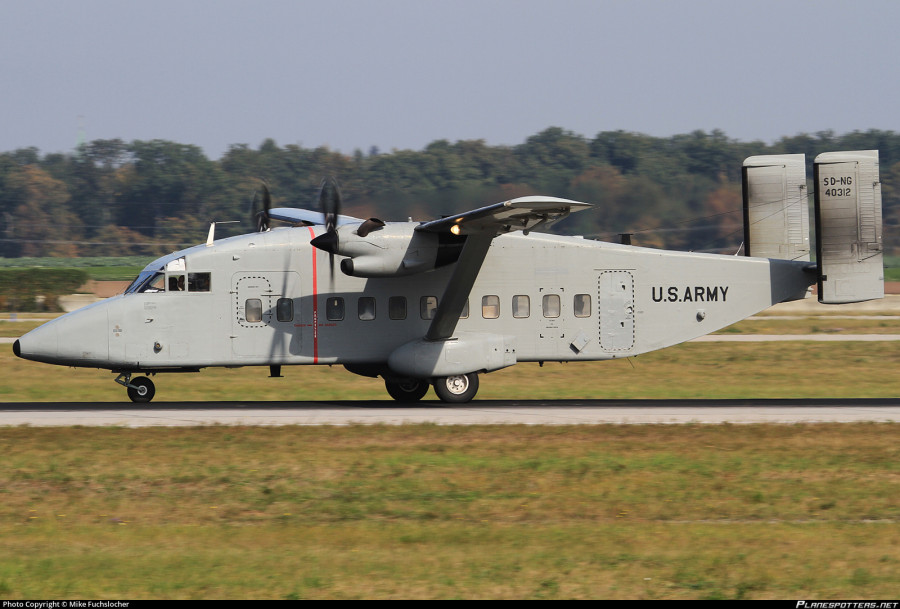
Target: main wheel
[[457, 389], [142, 391], [411, 390]]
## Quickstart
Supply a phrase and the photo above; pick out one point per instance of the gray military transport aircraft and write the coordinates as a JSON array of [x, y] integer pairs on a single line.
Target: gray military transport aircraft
[[437, 303]]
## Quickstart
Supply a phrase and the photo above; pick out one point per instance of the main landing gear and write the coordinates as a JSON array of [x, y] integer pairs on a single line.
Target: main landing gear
[[141, 390], [457, 389]]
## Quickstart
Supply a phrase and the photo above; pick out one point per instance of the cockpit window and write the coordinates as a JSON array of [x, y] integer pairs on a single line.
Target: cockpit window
[[176, 283], [139, 281], [198, 282], [148, 281], [157, 281]]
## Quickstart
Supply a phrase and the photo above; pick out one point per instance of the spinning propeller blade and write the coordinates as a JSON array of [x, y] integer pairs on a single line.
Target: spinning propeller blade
[[259, 208], [330, 203]]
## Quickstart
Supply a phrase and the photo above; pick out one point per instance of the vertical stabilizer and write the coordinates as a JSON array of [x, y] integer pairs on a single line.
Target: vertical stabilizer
[[848, 227], [776, 210]]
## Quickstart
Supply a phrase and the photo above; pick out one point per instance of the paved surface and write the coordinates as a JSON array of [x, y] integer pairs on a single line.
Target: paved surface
[[761, 338], [486, 412]]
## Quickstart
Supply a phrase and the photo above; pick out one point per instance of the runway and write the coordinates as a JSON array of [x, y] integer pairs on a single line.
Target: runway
[[478, 412]]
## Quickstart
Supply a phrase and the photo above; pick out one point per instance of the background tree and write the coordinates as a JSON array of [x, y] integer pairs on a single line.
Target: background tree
[[677, 192]]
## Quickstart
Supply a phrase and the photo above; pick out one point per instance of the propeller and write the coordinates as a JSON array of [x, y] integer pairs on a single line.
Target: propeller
[[259, 208], [330, 203]]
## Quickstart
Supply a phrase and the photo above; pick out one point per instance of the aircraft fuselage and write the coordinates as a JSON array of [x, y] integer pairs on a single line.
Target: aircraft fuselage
[[272, 299]]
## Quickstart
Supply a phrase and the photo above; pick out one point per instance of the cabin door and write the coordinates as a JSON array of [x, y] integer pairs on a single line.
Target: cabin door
[[616, 306], [266, 307]]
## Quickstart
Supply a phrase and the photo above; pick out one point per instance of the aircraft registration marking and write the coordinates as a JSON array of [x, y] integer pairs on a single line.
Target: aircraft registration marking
[[695, 293], [837, 186]]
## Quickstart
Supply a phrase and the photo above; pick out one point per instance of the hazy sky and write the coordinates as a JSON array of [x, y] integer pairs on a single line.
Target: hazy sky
[[402, 73]]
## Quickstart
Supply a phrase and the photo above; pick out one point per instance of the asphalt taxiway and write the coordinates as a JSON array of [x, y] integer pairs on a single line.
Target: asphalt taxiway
[[479, 412]]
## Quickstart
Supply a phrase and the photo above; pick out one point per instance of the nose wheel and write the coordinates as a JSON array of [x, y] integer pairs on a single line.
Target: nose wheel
[[140, 390]]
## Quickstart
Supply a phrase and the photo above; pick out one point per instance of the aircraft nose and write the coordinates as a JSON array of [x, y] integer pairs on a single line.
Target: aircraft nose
[[40, 345], [76, 339]]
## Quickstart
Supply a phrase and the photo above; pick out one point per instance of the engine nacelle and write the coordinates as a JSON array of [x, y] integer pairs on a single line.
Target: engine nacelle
[[393, 250]]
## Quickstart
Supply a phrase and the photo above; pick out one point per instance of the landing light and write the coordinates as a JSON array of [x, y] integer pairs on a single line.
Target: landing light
[[455, 229]]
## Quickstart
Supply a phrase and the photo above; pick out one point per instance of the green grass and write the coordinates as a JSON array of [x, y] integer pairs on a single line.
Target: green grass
[[114, 273], [755, 511], [693, 370], [425, 511], [873, 324], [99, 268]]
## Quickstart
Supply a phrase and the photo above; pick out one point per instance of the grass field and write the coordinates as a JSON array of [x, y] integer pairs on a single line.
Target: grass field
[[693, 370], [655, 512], [756, 511]]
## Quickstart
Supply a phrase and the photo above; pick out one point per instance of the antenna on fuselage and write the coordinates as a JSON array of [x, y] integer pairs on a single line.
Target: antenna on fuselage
[[212, 230]]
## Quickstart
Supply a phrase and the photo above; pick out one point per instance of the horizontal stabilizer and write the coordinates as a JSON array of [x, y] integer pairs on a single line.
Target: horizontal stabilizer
[[776, 210], [524, 213], [849, 247]]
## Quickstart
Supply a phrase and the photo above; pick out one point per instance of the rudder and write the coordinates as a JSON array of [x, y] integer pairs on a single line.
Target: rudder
[[776, 210], [849, 248]]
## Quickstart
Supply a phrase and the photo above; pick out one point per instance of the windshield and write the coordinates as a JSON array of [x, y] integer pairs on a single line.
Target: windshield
[[147, 281]]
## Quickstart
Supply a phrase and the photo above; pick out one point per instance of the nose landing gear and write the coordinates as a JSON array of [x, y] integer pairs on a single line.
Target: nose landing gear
[[141, 390]]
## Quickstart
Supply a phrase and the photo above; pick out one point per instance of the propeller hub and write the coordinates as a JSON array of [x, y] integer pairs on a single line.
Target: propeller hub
[[327, 242]]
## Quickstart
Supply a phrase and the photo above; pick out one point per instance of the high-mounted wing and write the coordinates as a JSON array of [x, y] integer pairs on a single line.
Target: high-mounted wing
[[308, 217], [524, 213], [480, 227]]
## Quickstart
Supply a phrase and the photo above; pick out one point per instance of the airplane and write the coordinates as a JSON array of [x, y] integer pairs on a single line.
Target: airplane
[[441, 302]]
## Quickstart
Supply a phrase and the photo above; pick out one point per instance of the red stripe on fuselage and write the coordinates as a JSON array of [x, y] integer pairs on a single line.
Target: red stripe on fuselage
[[315, 300]]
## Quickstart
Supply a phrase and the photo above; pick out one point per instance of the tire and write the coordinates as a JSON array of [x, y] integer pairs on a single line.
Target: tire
[[142, 391], [407, 391], [457, 389]]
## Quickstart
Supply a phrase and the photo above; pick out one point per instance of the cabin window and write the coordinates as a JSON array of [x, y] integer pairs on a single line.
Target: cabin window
[[465, 311], [284, 309], [198, 282], [582, 305], [427, 306], [253, 310], [397, 307], [176, 283], [490, 307], [366, 307], [521, 306], [334, 309], [551, 305]]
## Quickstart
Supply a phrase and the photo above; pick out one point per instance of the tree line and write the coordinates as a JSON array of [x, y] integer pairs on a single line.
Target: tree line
[[113, 198]]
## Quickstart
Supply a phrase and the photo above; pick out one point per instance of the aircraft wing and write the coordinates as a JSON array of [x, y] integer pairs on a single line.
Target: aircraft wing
[[480, 227], [524, 213], [294, 215]]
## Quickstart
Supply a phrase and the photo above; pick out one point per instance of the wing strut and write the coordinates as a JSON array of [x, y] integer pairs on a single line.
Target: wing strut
[[480, 226], [457, 291]]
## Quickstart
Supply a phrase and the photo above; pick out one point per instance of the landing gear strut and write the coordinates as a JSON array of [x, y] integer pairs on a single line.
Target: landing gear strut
[[141, 390]]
